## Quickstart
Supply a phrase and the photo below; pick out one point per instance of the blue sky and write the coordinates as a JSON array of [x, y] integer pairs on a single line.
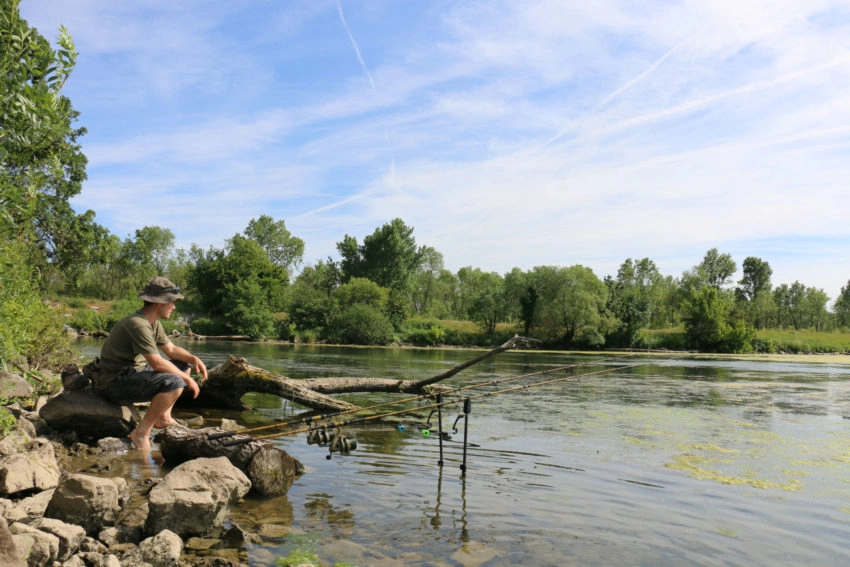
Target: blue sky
[[507, 133]]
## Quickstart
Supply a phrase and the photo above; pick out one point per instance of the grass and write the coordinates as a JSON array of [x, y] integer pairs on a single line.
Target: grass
[[806, 341]]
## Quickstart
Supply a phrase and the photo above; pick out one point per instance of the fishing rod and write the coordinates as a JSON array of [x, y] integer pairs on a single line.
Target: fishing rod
[[310, 419], [339, 424]]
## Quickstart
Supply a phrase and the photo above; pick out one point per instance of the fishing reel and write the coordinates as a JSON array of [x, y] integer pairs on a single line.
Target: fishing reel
[[334, 440]]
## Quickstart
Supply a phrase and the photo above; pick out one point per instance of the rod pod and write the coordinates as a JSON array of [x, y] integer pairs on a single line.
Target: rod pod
[[467, 408]]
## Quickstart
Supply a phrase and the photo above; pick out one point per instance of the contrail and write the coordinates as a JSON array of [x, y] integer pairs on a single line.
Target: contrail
[[354, 43], [625, 87], [651, 68]]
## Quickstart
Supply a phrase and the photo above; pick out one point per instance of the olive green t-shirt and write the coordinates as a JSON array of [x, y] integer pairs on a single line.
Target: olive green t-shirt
[[129, 340]]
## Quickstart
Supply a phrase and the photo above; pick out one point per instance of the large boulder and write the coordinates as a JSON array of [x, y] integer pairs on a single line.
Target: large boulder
[[70, 536], [89, 415], [88, 501], [37, 547], [195, 497], [8, 550], [36, 469]]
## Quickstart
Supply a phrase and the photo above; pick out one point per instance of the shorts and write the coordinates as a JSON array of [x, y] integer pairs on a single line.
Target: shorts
[[133, 385]]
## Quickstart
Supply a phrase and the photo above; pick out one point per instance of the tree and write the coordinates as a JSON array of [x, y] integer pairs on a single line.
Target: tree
[[755, 280], [360, 313], [572, 303], [151, 251], [428, 291], [389, 256], [41, 163], [41, 167], [488, 304], [632, 297], [284, 250], [842, 307], [309, 305], [239, 285], [707, 325], [715, 271]]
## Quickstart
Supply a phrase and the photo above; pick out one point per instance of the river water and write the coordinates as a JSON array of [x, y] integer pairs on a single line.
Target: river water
[[669, 462]]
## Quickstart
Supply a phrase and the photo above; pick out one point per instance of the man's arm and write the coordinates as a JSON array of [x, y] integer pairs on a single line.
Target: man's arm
[[175, 352], [162, 364]]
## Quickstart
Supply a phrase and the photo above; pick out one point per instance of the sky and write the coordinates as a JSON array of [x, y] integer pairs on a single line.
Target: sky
[[506, 133]]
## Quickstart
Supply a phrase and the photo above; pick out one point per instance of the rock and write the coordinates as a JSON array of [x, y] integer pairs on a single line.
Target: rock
[[75, 561], [37, 547], [113, 445], [162, 550], [34, 506], [15, 442], [8, 551], [14, 386], [70, 536], [195, 497], [10, 511], [88, 501], [36, 469], [89, 415]]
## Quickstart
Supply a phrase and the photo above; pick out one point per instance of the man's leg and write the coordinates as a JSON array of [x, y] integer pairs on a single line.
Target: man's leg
[[159, 408]]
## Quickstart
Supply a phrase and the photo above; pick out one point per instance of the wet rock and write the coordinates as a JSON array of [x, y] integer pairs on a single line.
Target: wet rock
[[8, 550], [113, 445], [88, 414], [195, 497], [36, 469], [88, 501]]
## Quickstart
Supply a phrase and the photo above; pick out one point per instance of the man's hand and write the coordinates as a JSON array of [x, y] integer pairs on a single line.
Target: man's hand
[[193, 386], [200, 368]]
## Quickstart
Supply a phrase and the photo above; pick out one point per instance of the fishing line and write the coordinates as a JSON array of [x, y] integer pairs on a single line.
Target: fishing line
[[311, 419]]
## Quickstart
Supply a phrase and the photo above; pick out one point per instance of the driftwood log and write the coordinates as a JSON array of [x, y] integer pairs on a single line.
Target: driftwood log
[[270, 470], [232, 379]]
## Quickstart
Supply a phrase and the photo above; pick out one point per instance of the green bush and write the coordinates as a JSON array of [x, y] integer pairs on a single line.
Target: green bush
[[432, 335], [7, 422], [29, 329], [86, 319], [207, 326], [361, 324], [120, 309]]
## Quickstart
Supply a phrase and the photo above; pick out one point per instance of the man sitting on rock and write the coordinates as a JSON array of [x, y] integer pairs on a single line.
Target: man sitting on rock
[[132, 369]]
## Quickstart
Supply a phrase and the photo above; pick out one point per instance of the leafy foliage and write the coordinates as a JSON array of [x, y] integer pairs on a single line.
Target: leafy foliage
[[283, 249], [30, 329], [389, 256], [361, 324]]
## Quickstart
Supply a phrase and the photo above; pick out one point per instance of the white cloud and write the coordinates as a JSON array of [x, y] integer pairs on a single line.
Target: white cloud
[[507, 133]]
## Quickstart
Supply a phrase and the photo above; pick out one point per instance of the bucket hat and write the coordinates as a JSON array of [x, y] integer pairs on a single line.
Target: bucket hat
[[160, 290]]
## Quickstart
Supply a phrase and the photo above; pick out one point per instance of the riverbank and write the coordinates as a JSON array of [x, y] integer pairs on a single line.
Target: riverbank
[[69, 503]]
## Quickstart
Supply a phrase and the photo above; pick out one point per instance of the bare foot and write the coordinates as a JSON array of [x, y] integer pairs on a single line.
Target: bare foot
[[141, 442], [163, 423]]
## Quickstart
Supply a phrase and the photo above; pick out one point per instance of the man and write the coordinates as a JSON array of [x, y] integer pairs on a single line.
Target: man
[[133, 370]]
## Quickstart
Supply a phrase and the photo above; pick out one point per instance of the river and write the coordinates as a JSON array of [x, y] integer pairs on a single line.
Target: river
[[669, 462]]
